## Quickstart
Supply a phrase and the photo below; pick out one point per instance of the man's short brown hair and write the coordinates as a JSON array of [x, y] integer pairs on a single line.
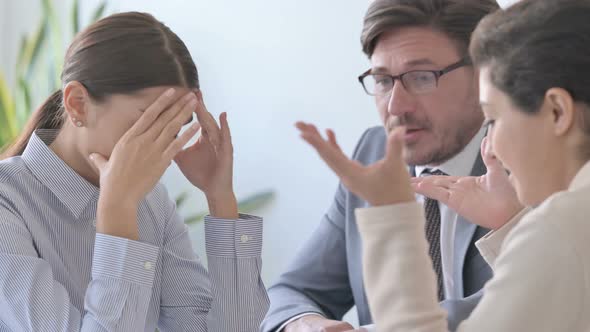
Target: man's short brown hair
[[455, 18]]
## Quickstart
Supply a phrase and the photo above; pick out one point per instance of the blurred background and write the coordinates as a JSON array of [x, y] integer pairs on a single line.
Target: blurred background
[[266, 63]]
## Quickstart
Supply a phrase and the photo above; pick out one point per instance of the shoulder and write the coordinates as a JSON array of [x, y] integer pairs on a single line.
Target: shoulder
[[12, 168], [566, 211], [16, 190], [13, 178], [556, 231]]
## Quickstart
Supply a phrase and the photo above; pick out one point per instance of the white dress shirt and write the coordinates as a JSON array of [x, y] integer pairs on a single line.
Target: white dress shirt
[[459, 165]]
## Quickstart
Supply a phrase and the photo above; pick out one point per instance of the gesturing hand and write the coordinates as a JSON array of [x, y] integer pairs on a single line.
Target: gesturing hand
[[488, 200], [382, 183]]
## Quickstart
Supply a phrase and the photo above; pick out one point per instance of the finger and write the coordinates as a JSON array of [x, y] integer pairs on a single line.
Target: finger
[[98, 161], [226, 140], [395, 144], [211, 130], [306, 128], [312, 136], [440, 181], [173, 126], [332, 139], [178, 143], [152, 112], [157, 128], [431, 178], [302, 126], [333, 157], [433, 191]]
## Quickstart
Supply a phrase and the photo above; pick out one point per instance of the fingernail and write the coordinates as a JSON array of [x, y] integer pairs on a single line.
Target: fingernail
[[169, 92], [91, 157]]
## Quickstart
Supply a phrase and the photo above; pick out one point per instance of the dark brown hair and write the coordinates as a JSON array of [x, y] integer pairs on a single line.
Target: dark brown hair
[[534, 46], [120, 54], [455, 18]]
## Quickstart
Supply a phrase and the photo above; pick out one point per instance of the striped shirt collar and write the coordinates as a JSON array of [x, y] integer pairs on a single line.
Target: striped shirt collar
[[67, 185]]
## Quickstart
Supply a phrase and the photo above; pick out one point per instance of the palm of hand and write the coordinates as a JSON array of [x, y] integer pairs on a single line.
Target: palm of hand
[[488, 200], [380, 183], [203, 166], [478, 198]]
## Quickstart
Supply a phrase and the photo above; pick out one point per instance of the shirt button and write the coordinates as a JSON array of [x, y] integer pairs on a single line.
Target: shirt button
[[244, 238], [147, 265]]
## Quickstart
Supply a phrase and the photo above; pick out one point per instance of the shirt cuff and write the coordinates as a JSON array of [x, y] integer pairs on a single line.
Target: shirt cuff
[[280, 329], [124, 259], [234, 237], [490, 244]]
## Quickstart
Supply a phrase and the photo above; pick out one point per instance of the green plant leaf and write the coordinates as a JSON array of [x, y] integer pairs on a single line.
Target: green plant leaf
[[256, 201], [26, 91], [30, 50], [56, 39], [247, 205], [75, 17], [181, 199], [98, 12], [21, 53], [195, 219], [38, 67], [8, 125]]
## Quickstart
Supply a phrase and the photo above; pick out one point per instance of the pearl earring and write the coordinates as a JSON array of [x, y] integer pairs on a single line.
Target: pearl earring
[[78, 122]]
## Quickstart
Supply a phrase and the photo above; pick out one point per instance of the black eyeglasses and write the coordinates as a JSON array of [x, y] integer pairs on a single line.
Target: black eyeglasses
[[415, 81]]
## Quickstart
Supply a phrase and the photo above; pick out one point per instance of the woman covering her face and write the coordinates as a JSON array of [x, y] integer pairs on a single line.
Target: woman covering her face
[[534, 61], [89, 241]]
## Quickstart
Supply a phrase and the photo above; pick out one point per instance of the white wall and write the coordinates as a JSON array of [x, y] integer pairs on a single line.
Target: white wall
[[16, 19], [3, 32], [268, 64]]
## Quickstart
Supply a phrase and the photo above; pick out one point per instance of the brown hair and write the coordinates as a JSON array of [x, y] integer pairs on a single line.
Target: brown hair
[[534, 46], [455, 18], [537, 45], [119, 54]]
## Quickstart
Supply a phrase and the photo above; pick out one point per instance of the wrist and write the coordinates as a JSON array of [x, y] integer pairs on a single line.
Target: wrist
[[117, 218], [113, 199], [223, 205], [393, 199]]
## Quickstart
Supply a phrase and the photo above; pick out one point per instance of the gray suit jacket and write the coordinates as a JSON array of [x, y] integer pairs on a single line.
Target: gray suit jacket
[[326, 275]]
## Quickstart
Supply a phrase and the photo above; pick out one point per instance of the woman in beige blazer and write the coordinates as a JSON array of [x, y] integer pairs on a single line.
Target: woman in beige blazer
[[534, 61]]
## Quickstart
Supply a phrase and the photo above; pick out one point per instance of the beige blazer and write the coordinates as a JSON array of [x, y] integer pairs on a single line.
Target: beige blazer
[[541, 262]]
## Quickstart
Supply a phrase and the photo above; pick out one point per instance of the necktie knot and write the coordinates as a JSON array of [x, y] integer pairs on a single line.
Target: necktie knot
[[434, 172]]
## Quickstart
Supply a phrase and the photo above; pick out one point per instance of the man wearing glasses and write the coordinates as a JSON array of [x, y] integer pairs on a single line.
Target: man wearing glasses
[[421, 78]]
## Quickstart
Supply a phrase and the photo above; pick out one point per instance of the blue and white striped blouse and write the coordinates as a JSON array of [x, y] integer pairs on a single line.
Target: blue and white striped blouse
[[58, 274]]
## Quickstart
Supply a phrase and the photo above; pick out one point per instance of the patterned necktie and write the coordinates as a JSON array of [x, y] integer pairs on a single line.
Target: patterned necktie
[[433, 236]]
